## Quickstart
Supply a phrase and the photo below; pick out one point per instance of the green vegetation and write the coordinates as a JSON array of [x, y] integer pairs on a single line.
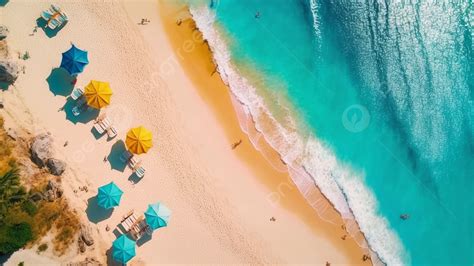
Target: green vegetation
[[23, 221]]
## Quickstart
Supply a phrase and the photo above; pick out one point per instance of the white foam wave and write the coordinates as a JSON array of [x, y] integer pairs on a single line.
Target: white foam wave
[[309, 162]]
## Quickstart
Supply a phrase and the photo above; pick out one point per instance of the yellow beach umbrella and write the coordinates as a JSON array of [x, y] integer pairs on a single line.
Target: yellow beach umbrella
[[98, 94], [139, 140]]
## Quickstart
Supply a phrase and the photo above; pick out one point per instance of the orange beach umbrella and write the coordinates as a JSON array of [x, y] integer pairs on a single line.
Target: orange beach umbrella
[[98, 94], [139, 140]]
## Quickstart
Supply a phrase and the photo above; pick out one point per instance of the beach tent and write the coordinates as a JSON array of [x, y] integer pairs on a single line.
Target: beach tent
[[109, 196], [123, 249], [157, 215], [98, 94], [139, 140], [74, 60]]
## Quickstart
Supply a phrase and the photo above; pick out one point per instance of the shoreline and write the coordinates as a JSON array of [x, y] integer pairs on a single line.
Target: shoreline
[[219, 216], [226, 107]]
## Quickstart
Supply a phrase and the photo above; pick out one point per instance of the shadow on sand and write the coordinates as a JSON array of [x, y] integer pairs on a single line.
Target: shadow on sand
[[95, 213], [4, 86], [114, 157], [85, 117], [60, 82], [134, 179], [110, 259], [144, 239], [40, 22]]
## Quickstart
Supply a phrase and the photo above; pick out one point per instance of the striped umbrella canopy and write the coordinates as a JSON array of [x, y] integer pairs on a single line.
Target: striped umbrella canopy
[[157, 215], [123, 249], [98, 94], [74, 60], [109, 196], [139, 140]]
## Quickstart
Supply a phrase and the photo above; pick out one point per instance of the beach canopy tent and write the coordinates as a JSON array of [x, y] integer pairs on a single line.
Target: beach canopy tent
[[123, 249], [98, 94], [139, 140], [109, 196], [74, 60], [157, 215]]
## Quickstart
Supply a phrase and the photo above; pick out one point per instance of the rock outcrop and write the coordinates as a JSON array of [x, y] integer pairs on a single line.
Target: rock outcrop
[[53, 191], [86, 235], [55, 166], [41, 149], [9, 71], [3, 32]]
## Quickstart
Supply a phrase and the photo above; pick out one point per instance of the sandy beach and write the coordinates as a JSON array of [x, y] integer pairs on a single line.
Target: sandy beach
[[162, 78]]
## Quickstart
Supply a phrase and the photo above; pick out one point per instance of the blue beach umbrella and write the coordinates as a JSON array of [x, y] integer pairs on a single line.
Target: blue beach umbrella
[[109, 196], [157, 215], [74, 60], [123, 249]]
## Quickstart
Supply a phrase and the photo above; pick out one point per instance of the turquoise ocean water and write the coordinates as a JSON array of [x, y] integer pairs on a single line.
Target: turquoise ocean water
[[387, 87]]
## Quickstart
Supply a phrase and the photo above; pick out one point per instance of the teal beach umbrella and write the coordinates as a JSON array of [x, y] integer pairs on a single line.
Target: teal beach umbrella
[[109, 196], [74, 60], [123, 249], [157, 215]]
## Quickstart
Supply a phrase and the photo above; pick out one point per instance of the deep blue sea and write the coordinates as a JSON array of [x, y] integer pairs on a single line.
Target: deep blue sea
[[387, 87]]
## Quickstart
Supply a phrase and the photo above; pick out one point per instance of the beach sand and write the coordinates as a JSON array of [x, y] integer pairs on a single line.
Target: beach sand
[[220, 197]]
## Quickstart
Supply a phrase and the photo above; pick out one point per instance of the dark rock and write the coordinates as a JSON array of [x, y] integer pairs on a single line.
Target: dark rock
[[3, 32], [9, 71], [36, 197], [81, 245], [53, 191], [55, 166], [86, 235], [41, 149]]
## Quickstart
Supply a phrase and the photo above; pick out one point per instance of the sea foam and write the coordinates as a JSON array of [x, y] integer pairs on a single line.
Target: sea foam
[[312, 166]]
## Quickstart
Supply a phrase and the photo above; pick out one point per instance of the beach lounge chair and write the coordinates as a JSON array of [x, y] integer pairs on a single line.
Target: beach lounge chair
[[140, 171], [104, 125], [133, 162], [111, 132], [126, 156], [76, 93], [54, 17], [81, 106], [140, 228]]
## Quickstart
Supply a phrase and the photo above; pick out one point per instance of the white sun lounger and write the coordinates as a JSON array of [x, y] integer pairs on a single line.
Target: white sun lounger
[[111, 132], [126, 156], [102, 125], [140, 171], [76, 93], [81, 106]]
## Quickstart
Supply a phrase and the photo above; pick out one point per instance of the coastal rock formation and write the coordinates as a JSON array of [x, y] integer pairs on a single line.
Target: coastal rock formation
[[36, 197], [86, 235], [55, 166], [41, 149], [3, 32], [81, 245], [8, 71], [53, 191]]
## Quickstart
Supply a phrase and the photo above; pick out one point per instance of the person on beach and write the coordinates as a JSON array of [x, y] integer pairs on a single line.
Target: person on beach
[[236, 144]]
